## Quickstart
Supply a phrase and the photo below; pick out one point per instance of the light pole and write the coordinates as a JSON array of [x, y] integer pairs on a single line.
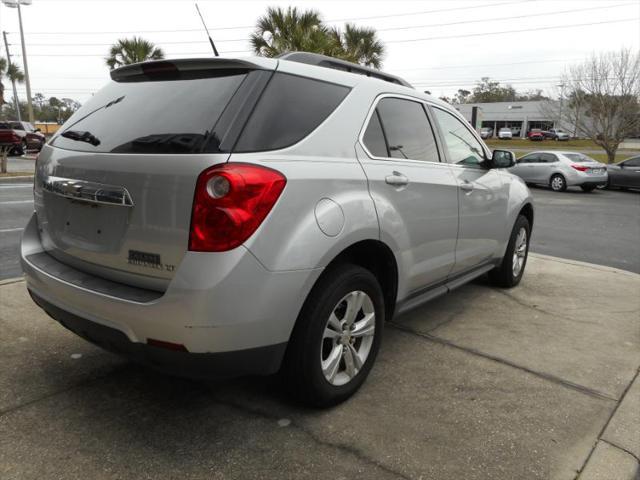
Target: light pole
[[561, 86], [16, 4]]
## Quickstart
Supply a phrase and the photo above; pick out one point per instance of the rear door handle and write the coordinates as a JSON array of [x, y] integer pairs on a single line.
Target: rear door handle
[[397, 179], [466, 186]]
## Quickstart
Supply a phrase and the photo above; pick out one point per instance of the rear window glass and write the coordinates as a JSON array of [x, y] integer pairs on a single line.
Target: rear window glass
[[163, 117], [4, 126], [290, 108], [578, 157]]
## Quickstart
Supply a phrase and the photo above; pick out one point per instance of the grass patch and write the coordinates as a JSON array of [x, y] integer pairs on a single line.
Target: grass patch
[[544, 145], [16, 174]]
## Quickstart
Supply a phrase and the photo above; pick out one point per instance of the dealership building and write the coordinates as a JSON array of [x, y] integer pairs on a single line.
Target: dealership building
[[520, 117]]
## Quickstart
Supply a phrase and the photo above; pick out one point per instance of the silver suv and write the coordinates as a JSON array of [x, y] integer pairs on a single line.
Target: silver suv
[[224, 217]]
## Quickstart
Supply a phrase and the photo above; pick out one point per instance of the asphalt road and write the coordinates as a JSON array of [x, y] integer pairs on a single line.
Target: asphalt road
[[16, 205], [602, 227]]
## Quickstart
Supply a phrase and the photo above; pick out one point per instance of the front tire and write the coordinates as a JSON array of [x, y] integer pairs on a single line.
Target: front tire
[[558, 183], [336, 338], [509, 273]]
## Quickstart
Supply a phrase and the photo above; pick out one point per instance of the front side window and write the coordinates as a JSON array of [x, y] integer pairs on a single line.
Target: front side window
[[407, 130], [531, 158], [373, 137], [634, 162], [17, 126], [462, 146]]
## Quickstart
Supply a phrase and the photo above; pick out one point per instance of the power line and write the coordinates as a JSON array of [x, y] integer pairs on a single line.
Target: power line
[[528, 15], [432, 25], [520, 30], [444, 67], [237, 27]]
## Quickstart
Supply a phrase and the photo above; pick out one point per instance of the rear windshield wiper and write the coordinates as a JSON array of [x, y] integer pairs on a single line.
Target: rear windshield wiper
[[79, 136]]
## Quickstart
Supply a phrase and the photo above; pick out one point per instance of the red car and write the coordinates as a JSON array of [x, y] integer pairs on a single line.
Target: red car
[[21, 136], [535, 135]]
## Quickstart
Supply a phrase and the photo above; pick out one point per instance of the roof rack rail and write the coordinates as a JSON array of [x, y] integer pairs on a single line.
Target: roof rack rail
[[337, 64]]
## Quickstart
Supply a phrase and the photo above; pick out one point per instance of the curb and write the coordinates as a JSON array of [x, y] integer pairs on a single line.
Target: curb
[[9, 281], [577, 263], [19, 179]]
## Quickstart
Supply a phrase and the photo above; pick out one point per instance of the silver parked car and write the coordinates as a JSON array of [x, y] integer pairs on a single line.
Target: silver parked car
[[560, 170], [222, 217]]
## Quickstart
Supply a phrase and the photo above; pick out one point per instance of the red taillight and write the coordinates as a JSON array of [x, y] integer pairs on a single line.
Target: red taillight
[[176, 347], [580, 168], [230, 203], [15, 137]]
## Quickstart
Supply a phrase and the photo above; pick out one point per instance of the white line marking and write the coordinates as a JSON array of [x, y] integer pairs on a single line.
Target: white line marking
[[15, 202], [7, 230]]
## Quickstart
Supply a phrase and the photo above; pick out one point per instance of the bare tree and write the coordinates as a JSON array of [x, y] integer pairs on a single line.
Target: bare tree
[[603, 101]]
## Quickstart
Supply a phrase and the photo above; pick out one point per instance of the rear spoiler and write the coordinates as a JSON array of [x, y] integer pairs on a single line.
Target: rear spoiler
[[187, 68]]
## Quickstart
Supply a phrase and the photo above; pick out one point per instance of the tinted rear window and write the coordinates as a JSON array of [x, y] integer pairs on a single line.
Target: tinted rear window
[[579, 157], [290, 108], [174, 116]]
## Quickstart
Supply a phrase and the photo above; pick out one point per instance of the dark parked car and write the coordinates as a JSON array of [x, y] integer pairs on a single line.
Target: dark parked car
[[536, 135], [22, 136], [624, 174]]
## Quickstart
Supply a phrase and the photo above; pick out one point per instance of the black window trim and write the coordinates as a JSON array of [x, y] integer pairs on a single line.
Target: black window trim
[[374, 110], [455, 114]]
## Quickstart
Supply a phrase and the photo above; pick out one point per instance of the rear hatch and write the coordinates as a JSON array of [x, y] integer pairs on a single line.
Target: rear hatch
[[114, 189]]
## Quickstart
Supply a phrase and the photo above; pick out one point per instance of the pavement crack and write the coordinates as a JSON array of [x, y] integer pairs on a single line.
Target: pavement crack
[[545, 376], [542, 310], [348, 449], [621, 448], [606, 424], [80, 384]]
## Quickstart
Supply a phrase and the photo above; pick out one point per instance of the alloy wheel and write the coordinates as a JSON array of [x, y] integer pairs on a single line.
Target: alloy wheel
[[519, 252], [347, 338]]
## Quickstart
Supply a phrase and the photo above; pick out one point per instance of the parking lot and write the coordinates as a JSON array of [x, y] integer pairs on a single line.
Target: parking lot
[[536, 382]]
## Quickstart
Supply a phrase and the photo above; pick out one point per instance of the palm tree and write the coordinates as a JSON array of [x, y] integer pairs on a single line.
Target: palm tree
[[291, 30], [358, 45], [12, 72], [132, 50]]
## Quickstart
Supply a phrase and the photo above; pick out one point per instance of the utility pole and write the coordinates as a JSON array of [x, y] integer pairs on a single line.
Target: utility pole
[[26, 68], [13, 80]]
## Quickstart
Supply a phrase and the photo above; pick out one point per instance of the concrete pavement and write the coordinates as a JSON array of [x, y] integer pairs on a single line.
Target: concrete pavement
[[534, 382]]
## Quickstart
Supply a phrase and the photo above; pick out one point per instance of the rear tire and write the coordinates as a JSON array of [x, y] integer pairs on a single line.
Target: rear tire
[[558, 183], [509, 273], [323, 334], [588, 188]]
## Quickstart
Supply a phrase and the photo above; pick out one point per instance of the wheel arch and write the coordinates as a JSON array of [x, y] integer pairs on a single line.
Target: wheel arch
[[378, 258], [527, 212]]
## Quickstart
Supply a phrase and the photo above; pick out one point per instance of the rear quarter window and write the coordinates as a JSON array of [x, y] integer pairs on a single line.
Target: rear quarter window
[[291, 107]]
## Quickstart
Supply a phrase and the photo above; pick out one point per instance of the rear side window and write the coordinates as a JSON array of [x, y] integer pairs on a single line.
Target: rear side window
[[290, 108], [548, 158], [407, 130], [162, 117]]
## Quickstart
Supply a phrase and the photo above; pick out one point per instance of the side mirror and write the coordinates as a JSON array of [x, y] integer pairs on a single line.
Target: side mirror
[[503, 159], [37, 130]]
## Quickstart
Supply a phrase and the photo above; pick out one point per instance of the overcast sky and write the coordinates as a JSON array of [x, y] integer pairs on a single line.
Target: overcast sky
[[437, 45]]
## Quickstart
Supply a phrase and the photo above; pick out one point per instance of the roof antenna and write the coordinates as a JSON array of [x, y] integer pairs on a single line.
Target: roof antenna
[[215, 50]]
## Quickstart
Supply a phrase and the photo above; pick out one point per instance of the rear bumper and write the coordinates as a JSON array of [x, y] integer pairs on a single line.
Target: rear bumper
[[216, 303], [583, 179], [253, 361]]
